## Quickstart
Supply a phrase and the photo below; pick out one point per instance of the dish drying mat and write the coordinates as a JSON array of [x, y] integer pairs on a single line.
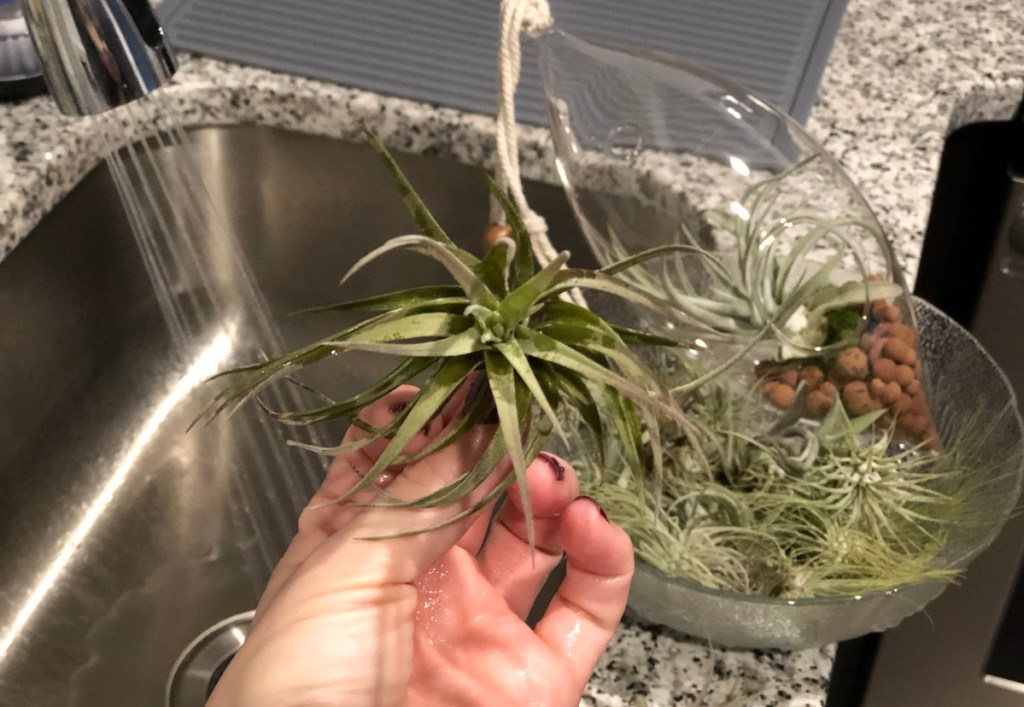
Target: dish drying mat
[[445, 51]]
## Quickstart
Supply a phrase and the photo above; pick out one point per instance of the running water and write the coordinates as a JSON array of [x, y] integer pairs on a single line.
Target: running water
[[202, 283]]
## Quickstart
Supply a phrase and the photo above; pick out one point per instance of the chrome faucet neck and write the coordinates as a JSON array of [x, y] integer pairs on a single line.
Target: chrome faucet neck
[[98, 54]]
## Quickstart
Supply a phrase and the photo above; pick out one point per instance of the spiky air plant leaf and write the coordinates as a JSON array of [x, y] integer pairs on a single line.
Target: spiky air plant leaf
[[754, 289], [501, 322]]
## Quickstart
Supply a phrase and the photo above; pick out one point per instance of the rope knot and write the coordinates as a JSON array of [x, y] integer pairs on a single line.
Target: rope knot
[[536, 17]]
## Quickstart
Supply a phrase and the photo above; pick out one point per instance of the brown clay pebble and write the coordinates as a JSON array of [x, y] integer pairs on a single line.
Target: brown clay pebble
[[932, 441], [829, 389], [903, 404], [876, 350], [895, 330], [856, 398], [911, 359], [904, 375], [891, 393], [790, 377], [868, 340], [852, 364], [898, 351], [914, 388], [917, 405], [891, 313], [876, 386], [767, 386], [878, 308], [915, 425], [885, 369], [782, 395], [494, 232], [812, 375], [818, 404]]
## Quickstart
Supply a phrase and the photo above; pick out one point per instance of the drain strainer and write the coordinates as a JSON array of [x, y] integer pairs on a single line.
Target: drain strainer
[[204, 661]]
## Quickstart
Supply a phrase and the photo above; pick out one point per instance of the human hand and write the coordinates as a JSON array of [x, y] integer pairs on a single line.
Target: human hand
[[433, 619]]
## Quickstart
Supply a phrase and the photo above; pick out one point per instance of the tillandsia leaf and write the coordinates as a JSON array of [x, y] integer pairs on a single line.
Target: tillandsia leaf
[[435, 295], [545, 348], [598, 281], [635, 337], [463, 274], [423, 408], [426, 325], [523, 266], [402, 373], [460, 487], [853, 293], [493, 270], [502, 380], [250, 379], [476, 409], [562, 385], [461, 344], [532, 447], [515, 308], [513, 353], [417, 209]]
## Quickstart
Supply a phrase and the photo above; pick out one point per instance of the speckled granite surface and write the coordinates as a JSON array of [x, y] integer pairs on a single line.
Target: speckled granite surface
[[901, 75]]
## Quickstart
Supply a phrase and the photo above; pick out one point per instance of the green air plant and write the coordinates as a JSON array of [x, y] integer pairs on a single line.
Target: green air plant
[[504, 320], [756, 284], [805, 508]]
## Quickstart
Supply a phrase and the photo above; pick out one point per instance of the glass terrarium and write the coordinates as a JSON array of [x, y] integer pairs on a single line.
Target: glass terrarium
[[817, 466]]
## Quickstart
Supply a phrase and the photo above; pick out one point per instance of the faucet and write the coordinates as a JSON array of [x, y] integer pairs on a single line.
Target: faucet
[[98, 54]]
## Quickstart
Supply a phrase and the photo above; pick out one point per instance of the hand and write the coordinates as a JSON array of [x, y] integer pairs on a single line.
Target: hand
[[433, 619]]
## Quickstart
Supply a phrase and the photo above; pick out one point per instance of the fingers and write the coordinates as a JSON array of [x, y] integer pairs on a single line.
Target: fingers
[[316, 524], [401, 560], [505, 559], [589, 604]]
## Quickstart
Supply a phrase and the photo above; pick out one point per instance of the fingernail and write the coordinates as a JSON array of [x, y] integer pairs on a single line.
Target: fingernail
[[396, 408], [556, 466], [599, 509]]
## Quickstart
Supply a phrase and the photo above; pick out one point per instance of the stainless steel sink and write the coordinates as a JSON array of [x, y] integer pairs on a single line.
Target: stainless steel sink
[[122, 536]]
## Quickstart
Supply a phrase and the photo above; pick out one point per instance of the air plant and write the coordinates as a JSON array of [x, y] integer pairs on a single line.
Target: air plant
[[502, 321], [805, 508], [751, 288]]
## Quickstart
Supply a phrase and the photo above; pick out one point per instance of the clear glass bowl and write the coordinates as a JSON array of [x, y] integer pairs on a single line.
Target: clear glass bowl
[[964, 374], [790, 286]]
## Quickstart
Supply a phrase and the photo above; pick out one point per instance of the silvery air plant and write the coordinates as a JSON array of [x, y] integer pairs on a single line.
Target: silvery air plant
[[500, 318]]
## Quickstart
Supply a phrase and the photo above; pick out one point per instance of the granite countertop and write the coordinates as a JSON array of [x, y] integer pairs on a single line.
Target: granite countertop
[[900, 77]]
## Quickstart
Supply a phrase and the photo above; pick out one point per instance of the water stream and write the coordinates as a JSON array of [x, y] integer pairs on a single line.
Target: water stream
[[202, 283]]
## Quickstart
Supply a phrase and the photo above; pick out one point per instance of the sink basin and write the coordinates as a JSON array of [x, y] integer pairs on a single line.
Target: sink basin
[[123, 537]]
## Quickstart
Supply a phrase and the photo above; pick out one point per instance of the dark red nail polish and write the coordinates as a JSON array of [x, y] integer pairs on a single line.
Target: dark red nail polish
[[556, 466], [599, 509], [396, 408]]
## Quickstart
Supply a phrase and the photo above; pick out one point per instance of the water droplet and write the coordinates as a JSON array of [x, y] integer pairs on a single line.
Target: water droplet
[[625, 141]]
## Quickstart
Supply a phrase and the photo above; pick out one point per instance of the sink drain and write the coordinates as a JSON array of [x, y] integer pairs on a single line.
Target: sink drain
[[205, 660]]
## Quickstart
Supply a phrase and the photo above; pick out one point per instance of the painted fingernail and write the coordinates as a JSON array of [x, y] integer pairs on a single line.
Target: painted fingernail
[[556, 466], [396, 408], [599, 509]]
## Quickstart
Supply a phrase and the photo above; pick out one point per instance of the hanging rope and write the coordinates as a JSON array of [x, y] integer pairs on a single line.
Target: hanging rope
[[534, 18]]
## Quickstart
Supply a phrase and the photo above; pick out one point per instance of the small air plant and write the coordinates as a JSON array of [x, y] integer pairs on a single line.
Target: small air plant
[[798, 508], [756, 285], [502, 320]]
